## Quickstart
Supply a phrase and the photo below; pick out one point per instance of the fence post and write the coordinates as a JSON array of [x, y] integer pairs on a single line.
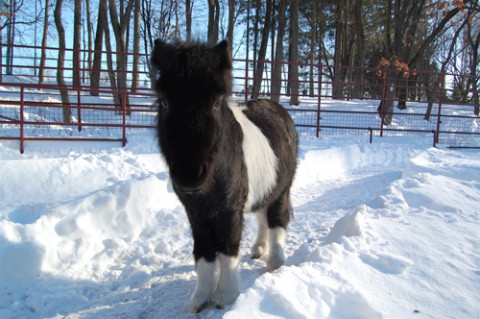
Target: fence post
[[124, 119], [246, 78], [384, 102], [319, 100], [439, 115], [79, 110], [22, 134]]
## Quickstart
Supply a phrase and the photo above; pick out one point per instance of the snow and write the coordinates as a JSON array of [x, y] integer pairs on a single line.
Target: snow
[[383, 230]]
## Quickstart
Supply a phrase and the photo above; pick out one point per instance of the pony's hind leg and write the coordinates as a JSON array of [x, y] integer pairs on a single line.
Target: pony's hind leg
[[276, 257], [278, 216], [260, 248]]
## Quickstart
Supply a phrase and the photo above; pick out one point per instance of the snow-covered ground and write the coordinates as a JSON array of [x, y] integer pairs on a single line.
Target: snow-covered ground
[[93, 230], [383, 230]]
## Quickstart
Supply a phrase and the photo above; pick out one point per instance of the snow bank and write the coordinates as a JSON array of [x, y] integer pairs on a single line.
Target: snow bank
[[407, 245]]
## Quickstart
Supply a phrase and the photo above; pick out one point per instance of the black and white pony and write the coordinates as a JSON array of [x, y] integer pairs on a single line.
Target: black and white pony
[[224, 159]]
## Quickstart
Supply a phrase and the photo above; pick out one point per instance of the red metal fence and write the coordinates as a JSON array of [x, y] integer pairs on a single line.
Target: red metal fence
[[438, 107]]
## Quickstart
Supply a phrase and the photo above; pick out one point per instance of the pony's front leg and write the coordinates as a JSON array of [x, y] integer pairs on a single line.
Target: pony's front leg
[[228, 281], [205, 284], [229, 234], [205, 266]]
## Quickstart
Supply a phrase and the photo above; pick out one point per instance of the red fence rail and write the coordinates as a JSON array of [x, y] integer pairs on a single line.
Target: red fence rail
[[438, 107]]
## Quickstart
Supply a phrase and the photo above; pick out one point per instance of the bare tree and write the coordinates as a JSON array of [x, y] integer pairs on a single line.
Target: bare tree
[[43, 56], [213, 21], [260, 63], [431, 81], [188, 19], [293, 52], [110, 71], [119, 21], [156, 22], [473, 36], [360, 45], [13, 15], [314, 43], [341, 48], [231, 22], [67, 113], [136, 45], [277, 64], [77, 37], [89, 36], [404, 18], [98, 46]]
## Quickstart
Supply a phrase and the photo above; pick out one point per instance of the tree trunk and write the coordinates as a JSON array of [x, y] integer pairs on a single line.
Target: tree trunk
[[293, 66], [120, 25], [213, 21], [111, 73], [402, 93], [77, 35], [360, 43], [255, 37], [11, 35], [278, 63], [258, 75], [147, 36], [387, 104], [231, 22], [89, 35], [136, 47], [97, 56], [313, 46], [429, 93], [339, 49], [188, 20], [43, 56], [67, 113]]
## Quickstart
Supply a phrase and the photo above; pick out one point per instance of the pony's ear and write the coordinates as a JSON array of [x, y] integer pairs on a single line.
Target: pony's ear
[[223, 51], [161, 54]]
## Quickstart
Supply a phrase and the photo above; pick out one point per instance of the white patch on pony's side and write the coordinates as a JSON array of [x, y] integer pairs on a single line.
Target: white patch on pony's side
[[259, 157], [205, 284], [228, 281], [277, 254]]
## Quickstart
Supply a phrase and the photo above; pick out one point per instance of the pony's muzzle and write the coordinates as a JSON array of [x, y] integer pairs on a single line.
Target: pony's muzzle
[[189, 178]]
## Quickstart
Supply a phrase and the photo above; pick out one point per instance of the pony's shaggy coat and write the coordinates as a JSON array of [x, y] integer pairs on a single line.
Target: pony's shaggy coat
[[224, 159]]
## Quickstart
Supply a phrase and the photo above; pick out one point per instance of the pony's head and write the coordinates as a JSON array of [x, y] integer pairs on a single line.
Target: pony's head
[[194, 82]]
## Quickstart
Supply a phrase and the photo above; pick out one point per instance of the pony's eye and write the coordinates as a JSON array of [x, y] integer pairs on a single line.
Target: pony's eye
[[217, 104], [164, 105]]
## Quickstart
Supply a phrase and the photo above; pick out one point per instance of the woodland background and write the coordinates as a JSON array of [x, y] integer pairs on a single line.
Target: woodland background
[[351, 39]]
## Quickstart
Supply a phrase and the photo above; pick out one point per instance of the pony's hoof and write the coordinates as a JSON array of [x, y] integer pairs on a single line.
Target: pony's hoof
[[198, 308], [276, 259], [199, 302], [225, 298], [258, 251], [255, 255], [274, 265]]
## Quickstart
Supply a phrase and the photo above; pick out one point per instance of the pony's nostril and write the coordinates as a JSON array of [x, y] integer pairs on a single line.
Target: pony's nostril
[[189, 176]]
